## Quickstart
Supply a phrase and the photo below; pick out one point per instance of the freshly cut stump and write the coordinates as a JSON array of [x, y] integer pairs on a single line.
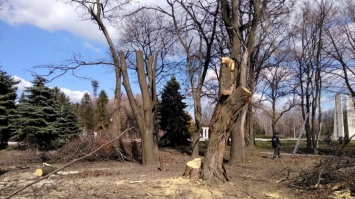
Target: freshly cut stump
[[193, 169]]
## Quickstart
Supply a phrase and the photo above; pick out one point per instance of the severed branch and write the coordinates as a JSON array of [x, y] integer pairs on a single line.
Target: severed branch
[[70, 163]]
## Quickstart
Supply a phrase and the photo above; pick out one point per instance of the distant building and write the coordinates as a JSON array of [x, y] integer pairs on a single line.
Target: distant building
[[204, 134], [344, 121]]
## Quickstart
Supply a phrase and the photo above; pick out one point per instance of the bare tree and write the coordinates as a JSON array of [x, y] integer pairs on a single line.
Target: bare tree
[[196, 31], [148, 30], [308, 44], [241, 20], [341, 39], [102, 13], [145, 118], [277, 83], [99, 12]]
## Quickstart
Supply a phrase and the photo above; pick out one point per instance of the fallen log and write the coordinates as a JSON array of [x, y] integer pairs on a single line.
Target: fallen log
[[45, 170], [193, 169]]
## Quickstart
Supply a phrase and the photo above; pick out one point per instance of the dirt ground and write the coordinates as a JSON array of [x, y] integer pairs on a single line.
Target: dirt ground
[[258, 177]]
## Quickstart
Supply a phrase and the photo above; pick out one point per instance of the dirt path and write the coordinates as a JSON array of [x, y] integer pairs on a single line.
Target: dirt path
[[257, 177]]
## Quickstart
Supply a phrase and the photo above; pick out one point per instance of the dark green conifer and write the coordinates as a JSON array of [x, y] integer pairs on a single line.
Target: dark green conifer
[[66, 125], [86, 114], [7, 106], [102, 119], [37, 115], [173, 119]]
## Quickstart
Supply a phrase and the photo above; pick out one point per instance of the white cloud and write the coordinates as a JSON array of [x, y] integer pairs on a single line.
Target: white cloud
[[75, 96], [92, 47], [51, 15], [23, 83]]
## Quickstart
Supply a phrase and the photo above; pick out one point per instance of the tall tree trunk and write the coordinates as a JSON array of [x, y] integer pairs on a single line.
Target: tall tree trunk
[[198, 127], [144, 119], [227, 112], [238, 149], [96, 14], [154, 98], [116, 120], [250, 139]]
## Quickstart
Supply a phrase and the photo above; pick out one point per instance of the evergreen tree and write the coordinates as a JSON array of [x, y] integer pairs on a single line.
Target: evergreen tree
[[37, 115], [102, 119], [22, 98], [173, 119], [66, 124], [7, 106], [86, 113]]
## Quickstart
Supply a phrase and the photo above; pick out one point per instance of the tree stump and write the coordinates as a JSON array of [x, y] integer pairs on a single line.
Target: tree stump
[[193, 169], [162, 163]]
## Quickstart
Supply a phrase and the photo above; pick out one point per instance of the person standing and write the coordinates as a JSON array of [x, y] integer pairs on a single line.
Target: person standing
[[276, 145]]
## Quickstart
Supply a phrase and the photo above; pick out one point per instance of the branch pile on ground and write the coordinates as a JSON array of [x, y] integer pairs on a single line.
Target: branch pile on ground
[[332, 174], [120, 150]]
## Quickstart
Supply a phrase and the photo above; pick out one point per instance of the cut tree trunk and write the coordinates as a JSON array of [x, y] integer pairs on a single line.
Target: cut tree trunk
[[226, 113], [43, 171], [193, 169]]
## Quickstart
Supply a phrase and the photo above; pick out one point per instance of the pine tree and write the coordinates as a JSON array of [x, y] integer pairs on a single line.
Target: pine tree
[[7, 106], [86, 113], [66, 125], [37, 116], [173, 119], [102, 119]]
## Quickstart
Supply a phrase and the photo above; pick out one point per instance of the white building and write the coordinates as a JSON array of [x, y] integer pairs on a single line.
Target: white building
[[350, 116], [204, 134], [344, 122]]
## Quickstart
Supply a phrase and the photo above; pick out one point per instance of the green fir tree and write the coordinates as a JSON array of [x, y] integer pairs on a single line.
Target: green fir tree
[[102, 119], [86, 114], [66, 125], [173, 119], [37, 115], [7, 106]]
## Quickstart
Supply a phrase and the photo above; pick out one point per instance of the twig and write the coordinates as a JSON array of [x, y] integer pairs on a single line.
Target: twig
[[70, 163]]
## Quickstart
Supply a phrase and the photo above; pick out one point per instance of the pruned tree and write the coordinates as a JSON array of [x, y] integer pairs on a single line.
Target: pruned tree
[[241, 19], [228, 110], [103, 13], [254, 30], [99, 11], [145, 117], [148, 30]]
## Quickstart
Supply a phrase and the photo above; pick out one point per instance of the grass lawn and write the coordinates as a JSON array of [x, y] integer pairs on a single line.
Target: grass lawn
[[323, 147]]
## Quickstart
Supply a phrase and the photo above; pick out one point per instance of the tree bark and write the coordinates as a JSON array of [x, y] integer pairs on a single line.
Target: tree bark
[[145, 119], [227, 112]]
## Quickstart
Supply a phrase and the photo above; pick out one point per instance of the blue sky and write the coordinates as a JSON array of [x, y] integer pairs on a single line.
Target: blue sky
[[46, 32]]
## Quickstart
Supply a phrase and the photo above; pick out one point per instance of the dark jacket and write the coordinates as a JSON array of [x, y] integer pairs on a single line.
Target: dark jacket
[[275, 141]]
